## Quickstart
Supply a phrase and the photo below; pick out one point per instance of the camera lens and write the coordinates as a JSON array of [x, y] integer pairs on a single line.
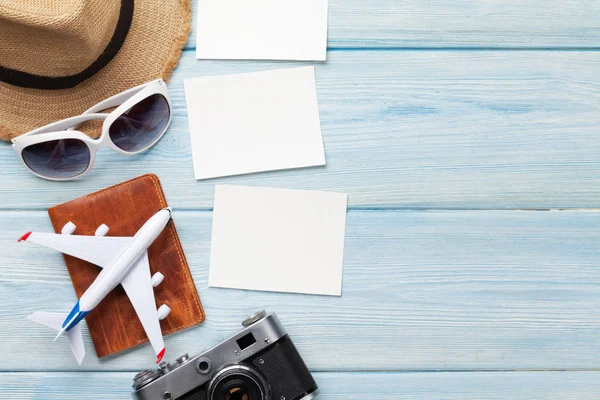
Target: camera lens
[[238, 392], [238, 383]]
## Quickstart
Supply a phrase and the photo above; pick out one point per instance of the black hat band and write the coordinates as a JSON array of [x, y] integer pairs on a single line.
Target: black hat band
[[27, 80]]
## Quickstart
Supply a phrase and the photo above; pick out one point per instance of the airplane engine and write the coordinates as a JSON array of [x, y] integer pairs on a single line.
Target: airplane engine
[[163, 311], [157, 279], [68, 229], [102, 230]]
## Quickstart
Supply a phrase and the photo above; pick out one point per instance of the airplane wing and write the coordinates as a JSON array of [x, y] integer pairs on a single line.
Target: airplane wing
[[138, 286], [99, 250]]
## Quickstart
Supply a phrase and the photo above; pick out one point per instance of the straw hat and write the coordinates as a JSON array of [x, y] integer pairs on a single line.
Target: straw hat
[[60, 57]]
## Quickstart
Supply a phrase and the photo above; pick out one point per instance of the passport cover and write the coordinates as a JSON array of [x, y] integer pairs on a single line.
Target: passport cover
[[113, 324]]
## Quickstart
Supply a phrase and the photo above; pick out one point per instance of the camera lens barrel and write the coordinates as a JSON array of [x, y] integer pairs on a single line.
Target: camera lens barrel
[[238, 382]]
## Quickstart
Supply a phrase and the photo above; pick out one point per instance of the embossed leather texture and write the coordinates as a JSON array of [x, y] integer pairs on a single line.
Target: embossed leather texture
[[113, 324]]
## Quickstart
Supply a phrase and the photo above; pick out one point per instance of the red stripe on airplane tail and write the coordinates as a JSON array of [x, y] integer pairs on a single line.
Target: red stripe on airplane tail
[[24, 237], [160, 355]]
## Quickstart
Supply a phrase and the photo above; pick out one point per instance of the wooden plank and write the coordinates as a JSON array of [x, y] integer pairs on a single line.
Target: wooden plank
[[459, 23], [456, 290], [440, 129], [336, 385]]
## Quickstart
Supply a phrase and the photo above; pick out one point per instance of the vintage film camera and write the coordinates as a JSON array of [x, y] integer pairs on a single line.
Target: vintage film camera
[[259, 363]]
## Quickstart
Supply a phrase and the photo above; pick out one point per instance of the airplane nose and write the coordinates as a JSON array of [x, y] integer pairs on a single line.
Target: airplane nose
[[169, 209]]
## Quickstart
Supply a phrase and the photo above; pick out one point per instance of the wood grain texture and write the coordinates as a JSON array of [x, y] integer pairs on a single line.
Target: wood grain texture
[[451, 126], [402, 129], [462, 128], [454, 290], [459, 23], [335, 385]]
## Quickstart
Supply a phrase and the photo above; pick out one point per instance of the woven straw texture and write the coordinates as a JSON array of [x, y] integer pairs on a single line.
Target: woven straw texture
[[70, 34], [158, 32]]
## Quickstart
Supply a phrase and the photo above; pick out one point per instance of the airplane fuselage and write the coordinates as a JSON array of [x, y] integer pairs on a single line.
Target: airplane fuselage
[[113, 273]]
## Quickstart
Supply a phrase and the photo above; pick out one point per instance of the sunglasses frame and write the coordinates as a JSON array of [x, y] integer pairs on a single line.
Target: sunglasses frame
[[65, 129]]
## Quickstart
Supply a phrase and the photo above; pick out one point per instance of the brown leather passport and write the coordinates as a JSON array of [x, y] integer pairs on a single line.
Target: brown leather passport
[[113, 324]]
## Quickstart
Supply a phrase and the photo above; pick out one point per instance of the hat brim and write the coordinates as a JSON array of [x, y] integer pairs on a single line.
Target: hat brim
[[158, 33]]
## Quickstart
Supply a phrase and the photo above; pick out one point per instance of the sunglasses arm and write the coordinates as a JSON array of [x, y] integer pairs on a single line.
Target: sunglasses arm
[[119, 98], [63, 125]]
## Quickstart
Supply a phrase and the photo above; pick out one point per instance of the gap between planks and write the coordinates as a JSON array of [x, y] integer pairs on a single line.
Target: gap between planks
[[431, 48], [318, 371], [367, 209]]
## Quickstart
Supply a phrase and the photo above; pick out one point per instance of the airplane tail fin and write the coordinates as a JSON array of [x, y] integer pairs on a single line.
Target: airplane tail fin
[[55, 320]]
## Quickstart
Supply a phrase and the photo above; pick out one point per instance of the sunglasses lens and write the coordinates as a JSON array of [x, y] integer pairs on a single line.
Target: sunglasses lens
[[58, 159], [142, 124]]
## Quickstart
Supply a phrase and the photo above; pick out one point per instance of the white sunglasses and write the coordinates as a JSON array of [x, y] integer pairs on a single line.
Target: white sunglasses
[[58, 152]]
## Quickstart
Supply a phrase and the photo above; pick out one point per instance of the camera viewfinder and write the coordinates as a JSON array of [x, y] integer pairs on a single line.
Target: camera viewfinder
[[246, 341]]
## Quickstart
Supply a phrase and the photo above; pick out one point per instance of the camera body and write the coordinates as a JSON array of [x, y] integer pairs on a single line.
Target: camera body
[[258, 363]]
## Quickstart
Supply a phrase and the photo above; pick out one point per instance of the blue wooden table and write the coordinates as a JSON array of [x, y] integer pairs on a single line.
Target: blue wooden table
[[467, 136]]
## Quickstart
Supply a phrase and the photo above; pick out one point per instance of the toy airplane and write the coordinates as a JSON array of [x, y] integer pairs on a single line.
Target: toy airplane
[[124, 260]]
